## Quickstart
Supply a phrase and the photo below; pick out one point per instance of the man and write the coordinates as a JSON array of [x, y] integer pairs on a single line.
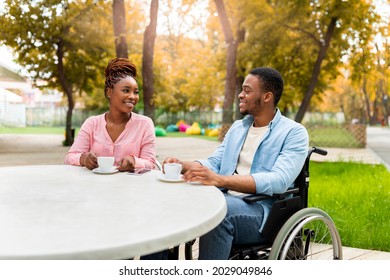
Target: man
[[262, 153]]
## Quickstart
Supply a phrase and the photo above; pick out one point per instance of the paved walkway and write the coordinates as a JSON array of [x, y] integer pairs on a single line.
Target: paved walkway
[[48, 149], [378, 141]]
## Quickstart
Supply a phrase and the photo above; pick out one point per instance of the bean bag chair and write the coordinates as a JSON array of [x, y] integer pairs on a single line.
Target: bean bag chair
[[195, 129], [172, 128], [159, 131], [183, 127], [213, 132]]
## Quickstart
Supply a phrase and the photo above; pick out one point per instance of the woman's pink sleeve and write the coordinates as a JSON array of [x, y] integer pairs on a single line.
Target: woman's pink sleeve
[[81, 144], [147, 158]]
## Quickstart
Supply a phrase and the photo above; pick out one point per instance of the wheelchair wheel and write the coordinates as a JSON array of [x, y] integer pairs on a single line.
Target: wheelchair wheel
[[309, 234]]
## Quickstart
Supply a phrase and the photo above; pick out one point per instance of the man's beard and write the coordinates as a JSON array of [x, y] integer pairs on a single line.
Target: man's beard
[[244, 113]]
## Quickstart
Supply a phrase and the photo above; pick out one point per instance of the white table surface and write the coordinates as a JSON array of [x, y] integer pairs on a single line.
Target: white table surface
[[69, 212]]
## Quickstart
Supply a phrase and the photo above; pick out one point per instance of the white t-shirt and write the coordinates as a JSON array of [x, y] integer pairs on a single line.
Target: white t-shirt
[[252, 142]]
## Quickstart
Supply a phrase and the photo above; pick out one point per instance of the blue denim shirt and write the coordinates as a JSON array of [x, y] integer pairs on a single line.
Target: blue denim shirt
[[277, 161]]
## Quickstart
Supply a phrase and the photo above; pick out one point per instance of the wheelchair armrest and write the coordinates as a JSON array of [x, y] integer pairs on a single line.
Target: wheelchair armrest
[[258, 197], [255, 197]]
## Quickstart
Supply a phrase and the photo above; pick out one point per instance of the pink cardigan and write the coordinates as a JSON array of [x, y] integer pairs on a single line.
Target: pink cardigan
[[137, 139]]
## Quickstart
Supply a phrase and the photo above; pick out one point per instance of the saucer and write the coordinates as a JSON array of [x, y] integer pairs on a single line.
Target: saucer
[[162, 177], [98, 171], [194, 183]]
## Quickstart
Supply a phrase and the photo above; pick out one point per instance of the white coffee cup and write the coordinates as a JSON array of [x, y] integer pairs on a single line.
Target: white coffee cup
[[106, 163], [172, 170]]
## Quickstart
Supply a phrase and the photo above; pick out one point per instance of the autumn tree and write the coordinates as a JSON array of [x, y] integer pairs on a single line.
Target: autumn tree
[[305, 41], [147, 60], [189, 75], [119, 20], [65, 47], [327, 24], [95, 100], [231, 70]]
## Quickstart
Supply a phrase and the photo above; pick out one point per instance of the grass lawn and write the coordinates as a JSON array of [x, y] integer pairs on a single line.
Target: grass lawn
[[32, 130], [181, 134], [357, 197]]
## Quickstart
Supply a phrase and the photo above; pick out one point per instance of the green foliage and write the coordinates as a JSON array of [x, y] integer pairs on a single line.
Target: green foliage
[[287, 35], [82, 28], [357, 197], [182, 81], [189, 72]]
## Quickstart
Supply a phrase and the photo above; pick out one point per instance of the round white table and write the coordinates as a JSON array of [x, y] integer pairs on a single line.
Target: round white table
[[69, 212]]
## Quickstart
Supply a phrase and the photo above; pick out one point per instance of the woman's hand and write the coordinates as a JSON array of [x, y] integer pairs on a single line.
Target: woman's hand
[[127, 164], [89, 160]]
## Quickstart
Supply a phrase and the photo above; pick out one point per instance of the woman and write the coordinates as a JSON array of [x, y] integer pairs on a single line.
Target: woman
[[120, 132]]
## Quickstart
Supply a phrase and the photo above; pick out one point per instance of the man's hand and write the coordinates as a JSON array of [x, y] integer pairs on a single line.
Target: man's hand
[[171, 160], [203, 175], [186, 164]]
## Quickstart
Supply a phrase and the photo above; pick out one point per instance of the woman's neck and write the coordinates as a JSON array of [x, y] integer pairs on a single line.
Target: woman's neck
[[118, 118]]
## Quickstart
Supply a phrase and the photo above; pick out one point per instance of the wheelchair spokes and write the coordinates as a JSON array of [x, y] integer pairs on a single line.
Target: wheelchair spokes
[[310, 234]]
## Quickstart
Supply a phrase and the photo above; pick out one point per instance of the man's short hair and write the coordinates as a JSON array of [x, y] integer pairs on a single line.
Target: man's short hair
[[270, 80]]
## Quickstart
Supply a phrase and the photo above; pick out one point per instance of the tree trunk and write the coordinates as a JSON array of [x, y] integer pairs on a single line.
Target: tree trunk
[[240, 77], [316, 71], [231, 71], [366, 99], [69, 132], [119, 18], [382, 86], [239, 82], [147, 61]]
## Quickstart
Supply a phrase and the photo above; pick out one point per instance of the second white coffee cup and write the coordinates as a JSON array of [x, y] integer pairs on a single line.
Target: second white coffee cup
[[106, 164], [172, 170]]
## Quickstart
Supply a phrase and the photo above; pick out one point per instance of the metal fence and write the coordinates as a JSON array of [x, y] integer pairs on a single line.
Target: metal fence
[[322, 133], [55, 116], [338, 135]]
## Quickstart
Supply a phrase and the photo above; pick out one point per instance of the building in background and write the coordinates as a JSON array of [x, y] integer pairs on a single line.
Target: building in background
[[12, 103], [22, 105], [12, 109]]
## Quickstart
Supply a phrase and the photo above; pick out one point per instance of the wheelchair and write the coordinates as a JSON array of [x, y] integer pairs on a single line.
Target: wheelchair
[[292, 230]]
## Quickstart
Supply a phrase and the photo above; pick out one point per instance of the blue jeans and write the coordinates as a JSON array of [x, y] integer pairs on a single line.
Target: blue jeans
[[240, 226], [163, 255]]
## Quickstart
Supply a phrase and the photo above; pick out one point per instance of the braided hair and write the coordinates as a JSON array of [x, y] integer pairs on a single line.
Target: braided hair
[[117, 69]]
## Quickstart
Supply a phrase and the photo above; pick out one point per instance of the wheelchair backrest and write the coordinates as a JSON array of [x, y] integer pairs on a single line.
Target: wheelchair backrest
[[302, 183], [285, 207]]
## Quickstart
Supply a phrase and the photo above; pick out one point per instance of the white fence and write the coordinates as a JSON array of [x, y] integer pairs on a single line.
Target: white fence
[[12, 109]]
